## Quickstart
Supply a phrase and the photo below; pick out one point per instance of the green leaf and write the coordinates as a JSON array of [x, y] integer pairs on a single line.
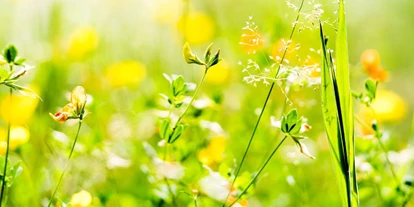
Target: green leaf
[[207, 53], [338, 113], [292, 118], [10, 53], [284, 125], [371, 88], [178, 86], [165, 129], [344, 89], [216, 59], [4, 74], [177, 132], [20, 61], [296, 128]]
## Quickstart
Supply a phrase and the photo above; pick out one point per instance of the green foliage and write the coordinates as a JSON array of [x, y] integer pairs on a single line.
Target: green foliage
[[338, 111], [10, 53]]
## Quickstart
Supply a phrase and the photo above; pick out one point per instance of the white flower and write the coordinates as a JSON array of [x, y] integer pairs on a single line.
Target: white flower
[[215, 186], [169, 170]]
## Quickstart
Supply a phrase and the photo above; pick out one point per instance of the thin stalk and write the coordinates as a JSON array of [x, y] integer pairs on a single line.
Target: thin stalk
[[264, 106], [258, 173], [3, 183], [66, 164], [192, 98], [174, 202], [383, 148]]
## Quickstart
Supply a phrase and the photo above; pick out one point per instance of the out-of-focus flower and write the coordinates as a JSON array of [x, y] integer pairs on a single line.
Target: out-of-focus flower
[[371, 61], [213, 154], [251, 40], [127, 73], [83, 41], [197, 27], [167, 11], [169, 170], [18, 135], [75, 109], [220, 74], [19, 109], [215, 186], [81, 199], [279, 48], [388, 107], [379, 74], [114, 161]]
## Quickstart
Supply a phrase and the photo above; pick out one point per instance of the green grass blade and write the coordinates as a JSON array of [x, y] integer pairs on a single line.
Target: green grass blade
[[344, 90], [332, 124]]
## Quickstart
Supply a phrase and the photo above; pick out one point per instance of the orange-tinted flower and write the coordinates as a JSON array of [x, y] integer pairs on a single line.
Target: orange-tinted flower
[[370, 59], [213, 154], [379, 74], [251, 41], [279, 48]]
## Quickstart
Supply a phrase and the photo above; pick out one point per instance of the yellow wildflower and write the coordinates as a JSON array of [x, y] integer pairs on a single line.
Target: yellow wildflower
[[19, 110], [251, 41], [220, 74], [73, 110], [128, 73], [18, 135], [168, 11], [388, 107], [81, 199], [83, 41], [213, 154], [198, 28]]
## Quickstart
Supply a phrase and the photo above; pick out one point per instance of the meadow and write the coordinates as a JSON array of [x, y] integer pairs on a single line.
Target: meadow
[[130, 103]]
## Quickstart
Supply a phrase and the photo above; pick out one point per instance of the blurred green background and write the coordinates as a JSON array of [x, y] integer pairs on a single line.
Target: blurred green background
[[119, 49]]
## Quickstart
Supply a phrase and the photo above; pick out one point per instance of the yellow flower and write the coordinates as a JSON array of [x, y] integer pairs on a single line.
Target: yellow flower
[[251, 41], [388, 107], [219, 75], [168, 11], [78, 98], [83, 41], [189, 56], [213, 154], [18, 135], [128, 73], [19, 110], [81, 199], [198, 28], [73, 110], [280, 46]]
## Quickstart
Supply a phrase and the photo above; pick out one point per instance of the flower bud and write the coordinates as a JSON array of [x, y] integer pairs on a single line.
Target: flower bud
[[189, 56], [78, 99]]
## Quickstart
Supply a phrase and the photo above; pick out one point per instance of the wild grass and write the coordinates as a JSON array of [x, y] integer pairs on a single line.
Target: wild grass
[[338, 111]]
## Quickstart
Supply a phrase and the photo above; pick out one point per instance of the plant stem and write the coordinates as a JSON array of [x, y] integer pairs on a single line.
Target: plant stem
[[174, 202], [264, 106], [192, 98], [258, 173], [3, 183], [383, 148], [66, 164]]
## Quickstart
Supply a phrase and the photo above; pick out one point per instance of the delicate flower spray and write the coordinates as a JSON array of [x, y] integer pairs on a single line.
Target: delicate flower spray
[[17, 68], [282, 74], [73, 110]]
